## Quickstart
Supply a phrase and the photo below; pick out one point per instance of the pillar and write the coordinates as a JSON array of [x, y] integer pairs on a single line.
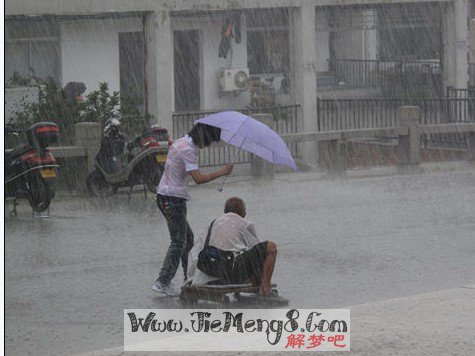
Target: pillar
[[305, 79], [260, 167], [455, 38], [408, 131], [159, 68], [88, 136], [471, 146]]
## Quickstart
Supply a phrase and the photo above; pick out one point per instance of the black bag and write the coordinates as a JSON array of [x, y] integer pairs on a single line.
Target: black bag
[[213, 261]]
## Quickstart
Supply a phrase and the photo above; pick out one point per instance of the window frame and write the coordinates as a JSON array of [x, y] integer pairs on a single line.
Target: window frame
[[266, 35], [31, 40]]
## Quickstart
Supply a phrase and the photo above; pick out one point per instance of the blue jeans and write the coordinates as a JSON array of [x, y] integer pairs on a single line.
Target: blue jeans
[[181, 236]]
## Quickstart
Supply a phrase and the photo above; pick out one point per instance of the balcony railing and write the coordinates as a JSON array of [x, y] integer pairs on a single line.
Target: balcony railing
[[394, 78]]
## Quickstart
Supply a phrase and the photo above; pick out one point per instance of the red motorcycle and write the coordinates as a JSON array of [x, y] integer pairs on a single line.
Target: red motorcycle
[[30, 169], [146, 158]]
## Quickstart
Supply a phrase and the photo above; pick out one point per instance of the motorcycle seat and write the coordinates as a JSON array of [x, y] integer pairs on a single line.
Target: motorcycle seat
[[16, 152]]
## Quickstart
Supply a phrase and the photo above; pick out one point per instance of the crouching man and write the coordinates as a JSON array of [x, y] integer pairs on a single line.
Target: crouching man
[[254, 260]]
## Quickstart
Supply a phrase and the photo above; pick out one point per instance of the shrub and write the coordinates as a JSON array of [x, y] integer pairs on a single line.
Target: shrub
[[53, 105]]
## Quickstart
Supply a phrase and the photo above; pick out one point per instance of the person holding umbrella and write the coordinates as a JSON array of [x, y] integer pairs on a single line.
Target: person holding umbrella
[[172, 195]]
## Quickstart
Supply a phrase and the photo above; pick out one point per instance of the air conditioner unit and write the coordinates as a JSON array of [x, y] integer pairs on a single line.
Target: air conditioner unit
[[233, 79]]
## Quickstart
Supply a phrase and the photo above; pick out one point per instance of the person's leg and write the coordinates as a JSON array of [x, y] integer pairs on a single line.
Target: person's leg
[[248, 264], [174, 211], [186, 249], [268, 268]]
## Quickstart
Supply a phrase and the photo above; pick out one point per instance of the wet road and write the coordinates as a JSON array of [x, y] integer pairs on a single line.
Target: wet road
[[341, 242]]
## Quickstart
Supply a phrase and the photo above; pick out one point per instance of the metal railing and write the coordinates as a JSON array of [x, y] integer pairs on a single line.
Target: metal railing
[[394, 78], [285, 121], [455, 93], [348, 114]]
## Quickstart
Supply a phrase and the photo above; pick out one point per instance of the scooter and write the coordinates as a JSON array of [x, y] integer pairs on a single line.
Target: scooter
[[146, 158], [31, 169]]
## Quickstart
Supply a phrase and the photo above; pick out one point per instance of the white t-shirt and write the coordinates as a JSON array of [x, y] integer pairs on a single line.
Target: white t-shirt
[[230, 232], [182, 158]]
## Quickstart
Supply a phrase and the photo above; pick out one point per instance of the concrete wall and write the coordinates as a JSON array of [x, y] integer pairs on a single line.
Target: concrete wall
[[88, 6], [90, 50], [210, 36]]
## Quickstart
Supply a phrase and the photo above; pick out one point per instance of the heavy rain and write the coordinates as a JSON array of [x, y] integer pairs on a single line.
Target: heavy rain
[[355, 156]]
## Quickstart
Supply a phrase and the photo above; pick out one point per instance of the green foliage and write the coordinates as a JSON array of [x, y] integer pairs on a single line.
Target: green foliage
[[98, 106], [132, 122], [101, 105], [52, 106]]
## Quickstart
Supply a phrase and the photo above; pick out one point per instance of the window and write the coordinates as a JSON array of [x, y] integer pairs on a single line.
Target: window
[[411, 43], [268, 41], [410, 32], [32, 49]]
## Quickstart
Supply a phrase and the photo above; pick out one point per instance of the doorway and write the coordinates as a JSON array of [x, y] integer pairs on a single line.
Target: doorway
[[187, 70], [131, 64]]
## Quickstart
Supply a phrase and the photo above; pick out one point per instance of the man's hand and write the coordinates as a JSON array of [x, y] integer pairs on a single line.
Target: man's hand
[[227, 169]]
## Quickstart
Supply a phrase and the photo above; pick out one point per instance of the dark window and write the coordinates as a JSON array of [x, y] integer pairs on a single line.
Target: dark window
[[410, 32], [32, 49], [187, 70], [131, 63], [410, 43], [268, 41]]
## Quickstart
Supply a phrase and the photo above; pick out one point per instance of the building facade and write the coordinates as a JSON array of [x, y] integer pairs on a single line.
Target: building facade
[[174, 56]]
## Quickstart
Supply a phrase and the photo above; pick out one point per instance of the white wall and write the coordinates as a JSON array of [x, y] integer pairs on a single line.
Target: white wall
[[210, 33], [90, 51]]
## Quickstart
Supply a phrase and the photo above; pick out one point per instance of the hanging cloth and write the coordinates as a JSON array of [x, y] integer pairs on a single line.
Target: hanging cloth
[[226, 35]]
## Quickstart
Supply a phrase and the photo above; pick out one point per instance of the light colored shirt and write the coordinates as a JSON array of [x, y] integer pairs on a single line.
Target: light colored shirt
[[182, 158], [230, 232]]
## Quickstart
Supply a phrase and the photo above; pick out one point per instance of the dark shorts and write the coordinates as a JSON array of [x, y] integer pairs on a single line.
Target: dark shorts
[[248, 264]]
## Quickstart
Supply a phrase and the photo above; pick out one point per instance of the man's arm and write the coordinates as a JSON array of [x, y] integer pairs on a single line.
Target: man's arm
[[201, 178]]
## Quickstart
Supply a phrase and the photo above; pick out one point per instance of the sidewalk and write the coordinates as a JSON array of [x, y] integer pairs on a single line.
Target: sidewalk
[[394, 247], [436, 323], [242, 172]]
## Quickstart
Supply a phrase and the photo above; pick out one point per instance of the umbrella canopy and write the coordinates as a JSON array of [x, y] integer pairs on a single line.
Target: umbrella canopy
[[250, 135]]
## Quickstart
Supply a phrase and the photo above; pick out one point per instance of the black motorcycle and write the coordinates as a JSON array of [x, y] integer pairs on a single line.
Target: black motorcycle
[[30, 169], [145, 160]]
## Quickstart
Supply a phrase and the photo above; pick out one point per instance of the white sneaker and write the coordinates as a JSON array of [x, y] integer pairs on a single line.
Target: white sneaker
[[166, 289]]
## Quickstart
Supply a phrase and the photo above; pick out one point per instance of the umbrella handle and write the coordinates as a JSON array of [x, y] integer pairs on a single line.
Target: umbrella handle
[[220, 188]]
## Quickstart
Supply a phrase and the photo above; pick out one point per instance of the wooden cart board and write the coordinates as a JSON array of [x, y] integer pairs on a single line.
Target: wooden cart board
[[219, 293]]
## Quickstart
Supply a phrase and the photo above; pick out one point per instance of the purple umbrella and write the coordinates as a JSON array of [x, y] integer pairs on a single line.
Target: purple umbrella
[[250, 135]]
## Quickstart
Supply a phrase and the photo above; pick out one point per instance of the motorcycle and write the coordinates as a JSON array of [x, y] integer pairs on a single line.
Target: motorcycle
[[31, 169], [146, 158]]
